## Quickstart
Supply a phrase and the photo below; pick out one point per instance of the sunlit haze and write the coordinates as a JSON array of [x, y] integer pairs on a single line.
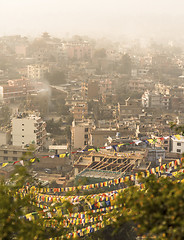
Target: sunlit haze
[[143, 18]]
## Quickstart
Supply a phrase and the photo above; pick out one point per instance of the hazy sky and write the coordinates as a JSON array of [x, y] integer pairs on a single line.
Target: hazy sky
[[94, 17]]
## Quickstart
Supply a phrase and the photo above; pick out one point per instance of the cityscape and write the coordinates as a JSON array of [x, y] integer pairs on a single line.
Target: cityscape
[[92, 129]]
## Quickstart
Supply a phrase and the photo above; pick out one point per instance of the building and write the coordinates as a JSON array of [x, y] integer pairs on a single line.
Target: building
[[80, 133], [10, 153], [177, 144], [58, 149], [140, 85], [129, 110], [78, 50], [16, 89], [37, 71], [21, 50], [5, 136], [27, 129], [155, 100], [80, 111], [90, 89], [98, 136], [155, 154], [106, 165]]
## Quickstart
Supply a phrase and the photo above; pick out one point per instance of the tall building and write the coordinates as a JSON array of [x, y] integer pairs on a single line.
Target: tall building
[[90, 89], [80, 133], [80, 111], [27, 129]]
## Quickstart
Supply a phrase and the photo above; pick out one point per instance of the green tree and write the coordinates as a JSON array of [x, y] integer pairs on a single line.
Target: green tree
[[100, 53], [125, 65], [56, 77], [14, 206], [5, 114], [157, 210]]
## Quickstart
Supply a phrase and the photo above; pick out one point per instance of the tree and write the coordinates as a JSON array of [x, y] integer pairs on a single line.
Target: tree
[[157, 210], [56, 77], [125, 65], [14, 206], [5, 114], [100, 53]]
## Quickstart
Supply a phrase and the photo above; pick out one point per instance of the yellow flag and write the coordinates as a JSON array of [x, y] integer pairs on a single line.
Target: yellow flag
[[91, 149], [4, 164], [177, 136]]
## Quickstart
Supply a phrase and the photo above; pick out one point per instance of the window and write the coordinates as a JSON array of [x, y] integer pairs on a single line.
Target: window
[[86, 136], [22, 129], [14, 152], [165, 148], [22, 124], [165, 142], [5, 151], [5, 158], [178, 150], [86, 129], [178, 144], [22, 142], [15, 158], [85, 142], [22, 135]]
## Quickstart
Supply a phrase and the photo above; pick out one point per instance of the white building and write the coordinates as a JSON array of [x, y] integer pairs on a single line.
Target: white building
[[37, 71], [27, 129], [177, 144], [80, 133]]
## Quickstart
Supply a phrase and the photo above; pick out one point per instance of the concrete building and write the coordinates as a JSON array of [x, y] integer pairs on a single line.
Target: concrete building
[[80, 133], [21, 50], [11, 153], [27, 129], [106, 164], [80, 111], [155, 154], [98, 136], [16, 89], [90, 89], [37, 71], [155, 100], [177, 144], [129, 110], [78, 51], [5, 136], [140, 85]]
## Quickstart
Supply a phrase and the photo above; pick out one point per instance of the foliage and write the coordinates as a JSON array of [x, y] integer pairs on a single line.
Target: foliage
[[68, 132], [54, 127], [100, 53], [179, 129], [126, 231], [14, 205], [157, 210], [125, 64], [5, 115], [56, 77], [59, 106]]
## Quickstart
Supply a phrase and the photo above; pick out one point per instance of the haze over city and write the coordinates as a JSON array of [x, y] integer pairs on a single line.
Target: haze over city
[[97, 18], [91, 119]]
